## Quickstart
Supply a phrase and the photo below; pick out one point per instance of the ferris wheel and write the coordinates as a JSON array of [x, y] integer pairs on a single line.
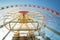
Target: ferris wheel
[[28, 18]]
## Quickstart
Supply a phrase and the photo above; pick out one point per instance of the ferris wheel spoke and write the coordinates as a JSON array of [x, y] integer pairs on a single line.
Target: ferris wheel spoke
[[56, 32], [6, 35]]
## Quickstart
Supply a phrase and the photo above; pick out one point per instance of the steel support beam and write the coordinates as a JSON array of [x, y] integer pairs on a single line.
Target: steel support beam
[[6, 35], [23, 29], [54, 31]]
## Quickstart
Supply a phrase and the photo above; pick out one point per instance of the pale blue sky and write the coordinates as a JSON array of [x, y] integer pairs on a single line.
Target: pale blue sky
[[51, 4]]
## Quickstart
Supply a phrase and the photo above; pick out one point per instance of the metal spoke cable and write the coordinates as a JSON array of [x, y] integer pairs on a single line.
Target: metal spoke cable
[[6, 35], [56, 32], [52, 20]]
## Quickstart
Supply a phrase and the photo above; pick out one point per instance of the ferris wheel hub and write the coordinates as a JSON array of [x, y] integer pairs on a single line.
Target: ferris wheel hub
[[23, 12]]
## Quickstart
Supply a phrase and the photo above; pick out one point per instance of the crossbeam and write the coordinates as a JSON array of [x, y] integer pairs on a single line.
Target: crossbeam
[[24, 29], [24, 22]]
